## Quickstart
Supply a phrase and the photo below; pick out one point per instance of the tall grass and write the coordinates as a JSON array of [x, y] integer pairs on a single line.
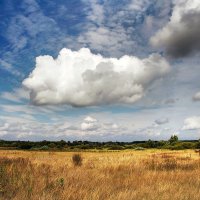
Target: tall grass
[[145, 175]]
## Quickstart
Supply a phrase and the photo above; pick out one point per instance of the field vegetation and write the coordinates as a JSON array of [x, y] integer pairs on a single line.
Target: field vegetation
[[102, 175]]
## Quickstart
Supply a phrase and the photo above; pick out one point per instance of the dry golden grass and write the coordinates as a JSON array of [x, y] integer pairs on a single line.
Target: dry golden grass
[[125, 175]]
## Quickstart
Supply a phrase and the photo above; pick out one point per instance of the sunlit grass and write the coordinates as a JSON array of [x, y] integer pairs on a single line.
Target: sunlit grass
[[123, 175]]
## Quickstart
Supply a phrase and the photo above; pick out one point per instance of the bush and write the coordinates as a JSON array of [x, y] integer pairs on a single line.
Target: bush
[[182, 145], [87, 146], [77, 160], [116, 147], [45, 147]]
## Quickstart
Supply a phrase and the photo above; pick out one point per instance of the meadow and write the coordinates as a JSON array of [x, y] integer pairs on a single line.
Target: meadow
[[103, 175]]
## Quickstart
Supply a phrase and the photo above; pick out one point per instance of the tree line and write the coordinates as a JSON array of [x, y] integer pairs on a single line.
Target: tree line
[[173, 143]]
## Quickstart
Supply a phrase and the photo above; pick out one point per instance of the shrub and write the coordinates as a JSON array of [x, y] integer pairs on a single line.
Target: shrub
[[45, 147], [77, 160], [116, 147], [61, 182], [183, 145], [87, 146]]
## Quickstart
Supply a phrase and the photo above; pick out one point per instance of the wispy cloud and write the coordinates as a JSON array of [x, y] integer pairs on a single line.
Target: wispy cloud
[[17, 95], [8, 67]]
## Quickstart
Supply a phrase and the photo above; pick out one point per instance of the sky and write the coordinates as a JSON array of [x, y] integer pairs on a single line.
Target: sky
[[99, 70]]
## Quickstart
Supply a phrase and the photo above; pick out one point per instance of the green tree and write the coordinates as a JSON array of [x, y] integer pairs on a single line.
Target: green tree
[[173, 139], [151, 144], [198, 144]]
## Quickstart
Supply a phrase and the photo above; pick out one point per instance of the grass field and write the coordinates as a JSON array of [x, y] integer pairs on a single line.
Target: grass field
[[120, 175]]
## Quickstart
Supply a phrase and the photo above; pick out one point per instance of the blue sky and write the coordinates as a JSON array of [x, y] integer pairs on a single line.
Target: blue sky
[[114, 70]]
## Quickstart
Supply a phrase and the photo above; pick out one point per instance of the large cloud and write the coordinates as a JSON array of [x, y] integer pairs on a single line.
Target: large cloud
[[181, 36], [80, 78]]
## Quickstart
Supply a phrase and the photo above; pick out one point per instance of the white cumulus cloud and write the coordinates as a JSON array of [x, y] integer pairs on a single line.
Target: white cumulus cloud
[[89, 124], [81, 78], [192, 123]]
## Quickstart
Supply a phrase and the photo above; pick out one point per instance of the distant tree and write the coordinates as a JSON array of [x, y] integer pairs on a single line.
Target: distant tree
[[61, 143], [26, 145], [161, 143], [14, 144], [151, 144], [173, 139], [198, 144], [52, 145]]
